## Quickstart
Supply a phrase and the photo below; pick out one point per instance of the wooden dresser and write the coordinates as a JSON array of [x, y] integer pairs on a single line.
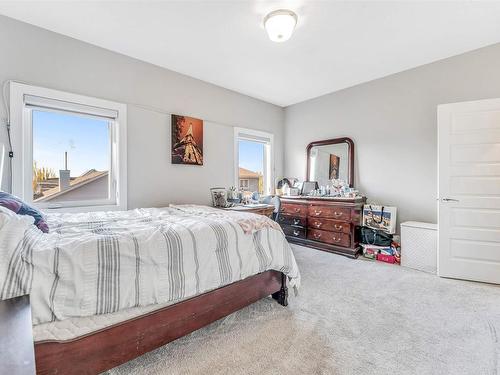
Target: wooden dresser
[[329, 224]]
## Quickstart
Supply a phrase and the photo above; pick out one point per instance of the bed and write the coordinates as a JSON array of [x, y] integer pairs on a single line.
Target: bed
[[108, 287]]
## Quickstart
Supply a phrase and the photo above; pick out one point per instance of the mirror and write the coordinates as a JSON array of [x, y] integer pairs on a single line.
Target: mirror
[[331, 159]]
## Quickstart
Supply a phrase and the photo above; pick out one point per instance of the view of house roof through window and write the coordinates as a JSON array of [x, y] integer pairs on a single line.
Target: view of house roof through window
[[71, 157], [251, 165]]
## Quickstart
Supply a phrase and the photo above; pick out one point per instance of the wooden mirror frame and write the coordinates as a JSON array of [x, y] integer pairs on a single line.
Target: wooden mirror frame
[[350, 144]]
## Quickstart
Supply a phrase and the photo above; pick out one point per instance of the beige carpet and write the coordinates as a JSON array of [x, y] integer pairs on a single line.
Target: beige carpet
[[351, 317]]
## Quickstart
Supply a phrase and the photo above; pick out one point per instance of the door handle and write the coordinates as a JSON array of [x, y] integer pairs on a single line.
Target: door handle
[[449, 200]]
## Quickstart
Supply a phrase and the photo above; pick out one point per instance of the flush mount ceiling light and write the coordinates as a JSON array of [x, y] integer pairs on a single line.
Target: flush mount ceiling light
[[280, 24]]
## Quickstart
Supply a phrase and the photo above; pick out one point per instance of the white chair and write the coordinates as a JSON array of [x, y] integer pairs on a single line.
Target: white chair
[[274, 200]]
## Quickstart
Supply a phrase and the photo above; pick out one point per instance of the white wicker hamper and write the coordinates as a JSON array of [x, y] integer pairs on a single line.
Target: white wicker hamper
[[419, 246]]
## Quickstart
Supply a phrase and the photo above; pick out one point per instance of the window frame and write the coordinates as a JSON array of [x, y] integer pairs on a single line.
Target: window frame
[[22, 145], [261, 137], [244, 186]]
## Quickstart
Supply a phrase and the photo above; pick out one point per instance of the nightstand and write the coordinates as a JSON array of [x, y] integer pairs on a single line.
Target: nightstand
[[17, 354]]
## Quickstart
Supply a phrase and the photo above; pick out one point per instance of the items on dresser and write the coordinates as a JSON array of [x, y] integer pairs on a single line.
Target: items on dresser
[[288, 186], [330, 224], [280, 183], [308, 187], [219, 197], [233, 196]]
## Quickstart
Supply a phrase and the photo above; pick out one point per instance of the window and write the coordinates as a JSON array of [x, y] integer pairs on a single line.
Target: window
[[253, 161], [69, 150]]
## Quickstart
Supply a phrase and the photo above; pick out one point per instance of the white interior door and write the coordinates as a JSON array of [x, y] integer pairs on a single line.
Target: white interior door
[[469, 190]]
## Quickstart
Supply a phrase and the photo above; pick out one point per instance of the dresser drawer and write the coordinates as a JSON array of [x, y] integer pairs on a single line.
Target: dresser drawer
[[339, 239], [294, 231], [329, 225], [294, 209], [337, 213], [284, 219]]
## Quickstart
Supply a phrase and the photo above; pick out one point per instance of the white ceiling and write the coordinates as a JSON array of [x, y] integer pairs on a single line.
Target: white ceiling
[[335, 45]]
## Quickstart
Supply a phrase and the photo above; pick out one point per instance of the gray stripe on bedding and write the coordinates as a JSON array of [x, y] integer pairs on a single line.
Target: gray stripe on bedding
[[237, 247], [137, 270], [11, 275], [108, 275], [269, 251], [175, 267], [195, 256], [287, 258], [259, 250], [55, 270], [222, 253]]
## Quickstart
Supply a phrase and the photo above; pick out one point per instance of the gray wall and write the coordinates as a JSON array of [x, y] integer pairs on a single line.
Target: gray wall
[[393, 124], [51, 60], [392, 120]]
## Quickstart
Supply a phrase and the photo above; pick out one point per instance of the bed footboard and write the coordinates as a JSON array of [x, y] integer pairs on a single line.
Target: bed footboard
[[112, 346]]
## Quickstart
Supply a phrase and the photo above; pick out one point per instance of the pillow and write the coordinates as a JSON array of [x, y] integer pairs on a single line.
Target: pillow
[[5, 216], [19, 207], [12, 233]]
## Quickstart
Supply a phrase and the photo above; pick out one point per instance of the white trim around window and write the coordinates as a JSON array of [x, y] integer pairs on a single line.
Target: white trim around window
[[262, 137], [23, 99]]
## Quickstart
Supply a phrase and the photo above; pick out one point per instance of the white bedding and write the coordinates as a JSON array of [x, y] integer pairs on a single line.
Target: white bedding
[[105, 262]]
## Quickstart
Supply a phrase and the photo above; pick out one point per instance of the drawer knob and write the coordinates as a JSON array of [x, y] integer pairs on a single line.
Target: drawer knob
[[297, 210], [296, 221], [338, 227], [317, 224], [296, 233], [336, 239], [337, 213], [317, 236], [317, 212]]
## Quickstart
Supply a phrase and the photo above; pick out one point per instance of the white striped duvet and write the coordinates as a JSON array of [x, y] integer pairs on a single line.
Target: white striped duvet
[[98, 263]]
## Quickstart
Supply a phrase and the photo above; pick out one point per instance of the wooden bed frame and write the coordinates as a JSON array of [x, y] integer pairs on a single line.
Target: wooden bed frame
[[107, 348]]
